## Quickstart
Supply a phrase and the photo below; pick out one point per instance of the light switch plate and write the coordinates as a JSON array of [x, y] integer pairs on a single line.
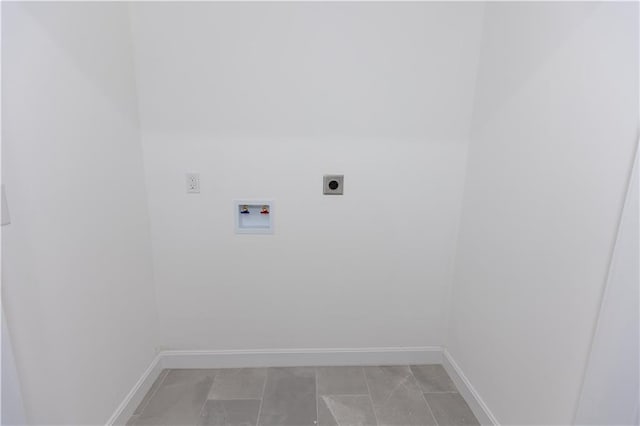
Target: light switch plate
[[333, 184]]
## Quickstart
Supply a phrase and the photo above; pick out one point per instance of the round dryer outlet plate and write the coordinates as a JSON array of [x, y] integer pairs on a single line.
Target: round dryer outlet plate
[[333, 184]]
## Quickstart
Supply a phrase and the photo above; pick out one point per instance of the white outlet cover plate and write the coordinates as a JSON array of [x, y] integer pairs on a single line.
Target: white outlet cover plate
[[193, 183]]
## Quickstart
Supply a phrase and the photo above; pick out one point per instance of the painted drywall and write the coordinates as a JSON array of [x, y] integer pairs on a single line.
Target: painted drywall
[[262, 99], [77, 276], [610, 392], [12, 412], [554, 129]]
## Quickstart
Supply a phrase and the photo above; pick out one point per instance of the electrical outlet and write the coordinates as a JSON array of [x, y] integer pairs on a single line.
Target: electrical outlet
[[193, 183], [333, 184]]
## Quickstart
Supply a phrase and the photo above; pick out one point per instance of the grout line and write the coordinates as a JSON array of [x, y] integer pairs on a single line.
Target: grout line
[[373, 407], [344, 394], [206, 399], [234, 399], [424, 398], [315, 369], [264, 386]]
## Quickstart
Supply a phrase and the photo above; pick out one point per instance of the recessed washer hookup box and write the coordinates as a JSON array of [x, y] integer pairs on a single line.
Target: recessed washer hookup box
[[253, 216]]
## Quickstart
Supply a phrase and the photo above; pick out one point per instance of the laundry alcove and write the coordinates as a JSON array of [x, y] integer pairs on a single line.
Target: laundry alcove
[[486, 150]]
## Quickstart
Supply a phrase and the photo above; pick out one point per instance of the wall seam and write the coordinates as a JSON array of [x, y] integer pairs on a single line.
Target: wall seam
[[448, 302], [607, 281], [156, 310]]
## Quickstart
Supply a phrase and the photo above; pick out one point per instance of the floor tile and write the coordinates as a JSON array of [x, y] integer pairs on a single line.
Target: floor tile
[[289, 397], [350, 410], [132, 420], [397, 397], [178, 400], [450, 409], [151, 392], [237, 412], [383, 381], [187, 375], [433, 378], [325, 418], [341, 381], [238, 383], [332, 396]]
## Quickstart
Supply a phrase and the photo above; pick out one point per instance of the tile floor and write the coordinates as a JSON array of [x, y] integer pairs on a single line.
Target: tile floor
[[300, 396]]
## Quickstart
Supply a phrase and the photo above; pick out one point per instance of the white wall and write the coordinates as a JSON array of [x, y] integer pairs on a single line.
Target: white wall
[[77, 276], [610, 391], [555, 124], [11, 405], [262, 100]]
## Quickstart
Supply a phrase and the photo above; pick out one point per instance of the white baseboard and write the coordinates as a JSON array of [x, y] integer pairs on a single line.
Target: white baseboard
[[127, 407], [301, 357], [468, 392]]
